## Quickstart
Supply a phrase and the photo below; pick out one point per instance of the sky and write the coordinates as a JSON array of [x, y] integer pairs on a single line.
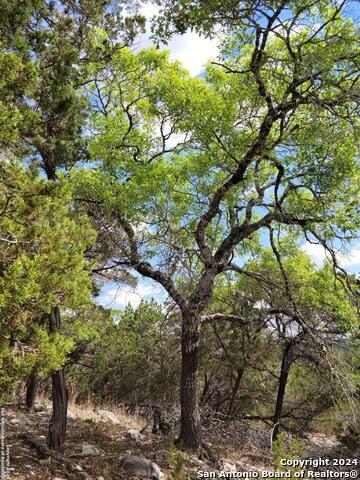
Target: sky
[[117, 297], [194, 51]]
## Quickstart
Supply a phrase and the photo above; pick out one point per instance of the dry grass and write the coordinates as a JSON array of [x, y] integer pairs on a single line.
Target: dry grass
[[87, 411], [135, 420]]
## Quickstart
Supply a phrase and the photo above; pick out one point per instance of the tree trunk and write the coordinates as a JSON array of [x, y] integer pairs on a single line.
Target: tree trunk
[[31, 388], [57, 426], [204, 395], [190, 429], [284, 374], [239, 374]]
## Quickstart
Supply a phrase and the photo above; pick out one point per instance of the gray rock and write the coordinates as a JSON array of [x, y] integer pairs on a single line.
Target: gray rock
[[108, 417], [45, 462], [43, 414], [133, 434], [20, 420], [39, 407], [78, 468], [162, 456], [140, 466], [88, 449], [196, 462], [100, 478], [228, 465]]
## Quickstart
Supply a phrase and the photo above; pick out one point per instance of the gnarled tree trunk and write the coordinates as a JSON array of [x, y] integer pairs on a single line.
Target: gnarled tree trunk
[[284, 374], [31, 388], [190, 429], [235, 389], [57, 426]]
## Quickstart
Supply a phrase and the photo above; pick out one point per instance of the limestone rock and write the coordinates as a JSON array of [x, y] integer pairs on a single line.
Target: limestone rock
[[18, 420], [228, 465], [108, 417], [141, 467], [39, 407], [196, 462], [162, 456], [88, 449], [133, 434]]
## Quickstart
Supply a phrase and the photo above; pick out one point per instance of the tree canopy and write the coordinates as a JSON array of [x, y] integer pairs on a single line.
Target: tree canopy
[[117, 164]]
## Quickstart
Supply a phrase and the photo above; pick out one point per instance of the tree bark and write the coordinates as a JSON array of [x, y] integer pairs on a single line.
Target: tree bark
[[190, 428], [57, 426], [204, 395], [31, 388], [235, 389], [284, 374]]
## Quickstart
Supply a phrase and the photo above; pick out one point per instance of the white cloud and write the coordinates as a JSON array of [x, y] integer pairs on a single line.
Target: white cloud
[[192, 50], [122, 296], [317, 253], [352, 259], [149, 10], [173, 138]]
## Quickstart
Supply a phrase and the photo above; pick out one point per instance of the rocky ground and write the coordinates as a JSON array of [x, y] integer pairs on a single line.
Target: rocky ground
[[107, 445]]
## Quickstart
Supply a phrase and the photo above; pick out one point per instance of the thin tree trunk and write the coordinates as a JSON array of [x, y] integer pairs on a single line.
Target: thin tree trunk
[[57, 426], [205, 389], [239, 374], [284, 374], [190, 429], [31, 388]]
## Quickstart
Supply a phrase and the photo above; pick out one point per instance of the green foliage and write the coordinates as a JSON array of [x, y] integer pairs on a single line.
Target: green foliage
[[187, 176], [14, 363], [52, 350], [134, 357], [178, 460], [241, 358], [288, 449], [56, 46], [320, 296], [42, 263], [44, 239], [145, 174]]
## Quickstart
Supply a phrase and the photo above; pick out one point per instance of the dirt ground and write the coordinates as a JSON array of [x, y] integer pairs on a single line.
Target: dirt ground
[[236, 445]]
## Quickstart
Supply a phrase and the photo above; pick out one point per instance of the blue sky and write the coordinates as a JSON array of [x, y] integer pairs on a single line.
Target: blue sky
[[115, 296], [194, 51]]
